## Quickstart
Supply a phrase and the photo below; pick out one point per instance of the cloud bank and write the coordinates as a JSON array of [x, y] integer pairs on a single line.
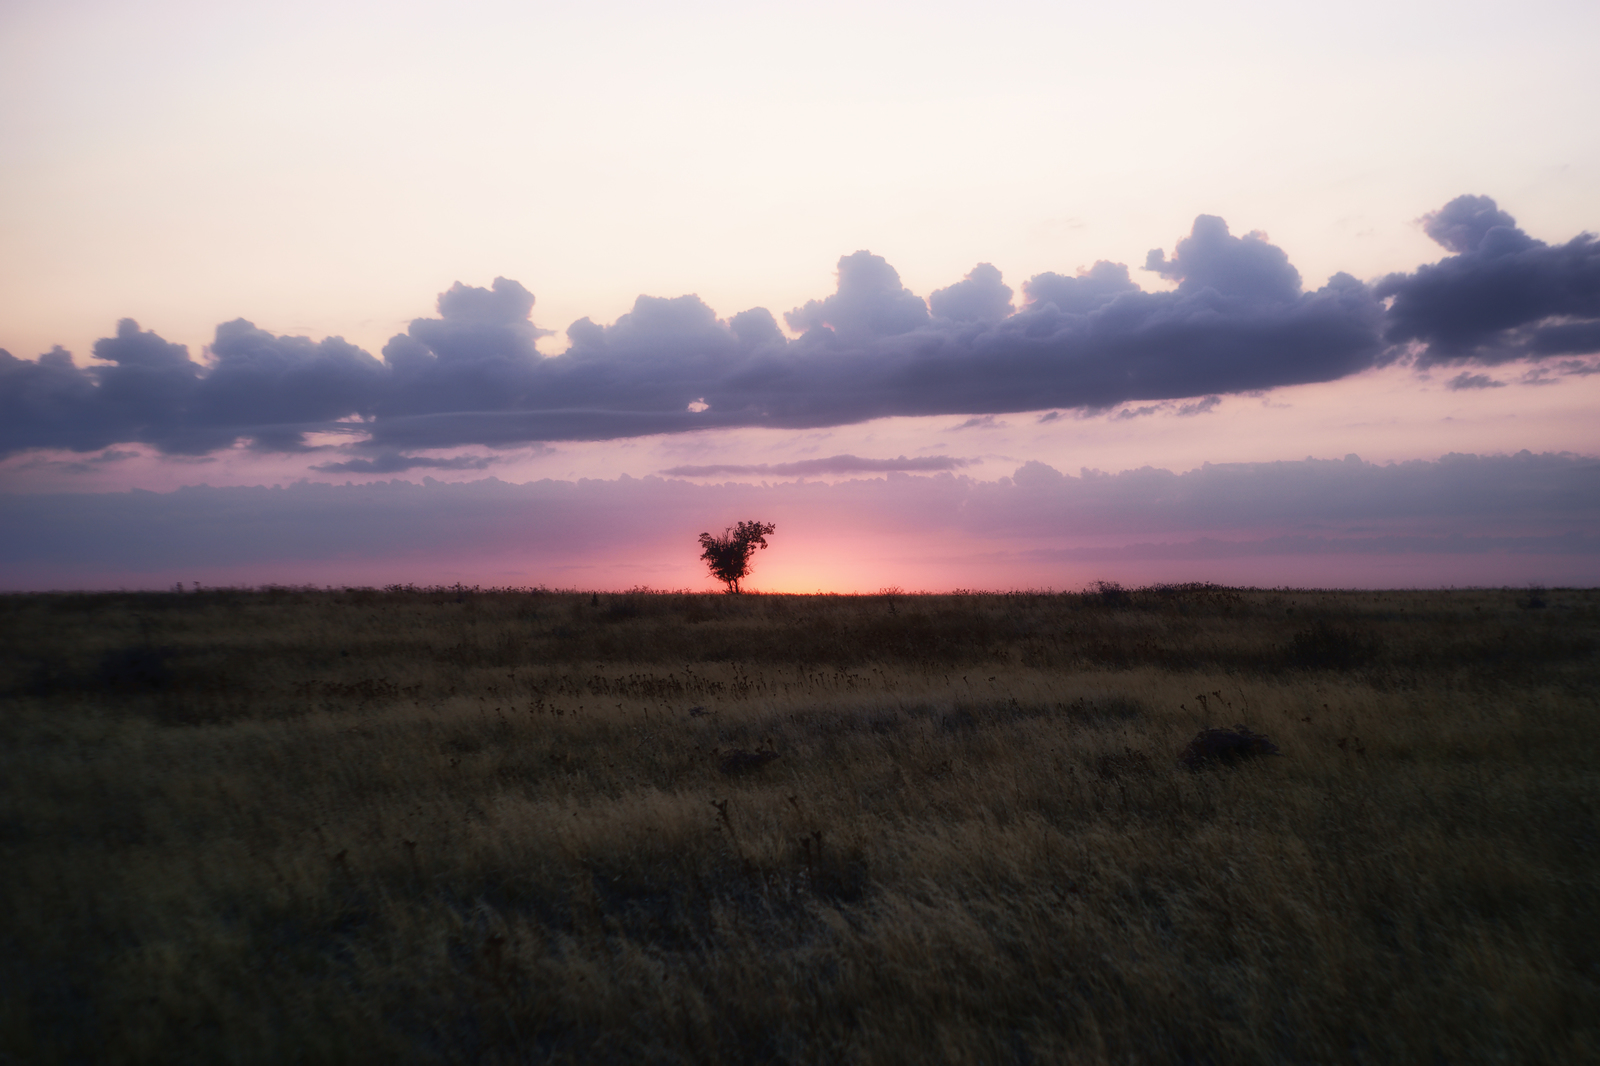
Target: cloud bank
[[1239, 319], [644, 529]]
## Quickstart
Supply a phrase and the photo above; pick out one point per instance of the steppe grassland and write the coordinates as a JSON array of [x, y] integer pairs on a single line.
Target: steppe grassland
[[451, 825]]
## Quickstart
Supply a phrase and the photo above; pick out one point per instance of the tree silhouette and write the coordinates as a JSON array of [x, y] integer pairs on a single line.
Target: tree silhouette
[[728, 556]]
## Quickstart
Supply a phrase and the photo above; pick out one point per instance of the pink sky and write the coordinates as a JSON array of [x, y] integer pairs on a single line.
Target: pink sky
[[1236, 244]]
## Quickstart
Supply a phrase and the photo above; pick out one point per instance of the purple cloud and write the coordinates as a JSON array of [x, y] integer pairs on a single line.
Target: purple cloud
[[1200, 407], [1502, 296], [1238, 321], [1241, 268], [1082, 293], [836, 464], [1463, 223], [980, 297], [1465, 380], [1524, 503], [396, 463], [870, 303]]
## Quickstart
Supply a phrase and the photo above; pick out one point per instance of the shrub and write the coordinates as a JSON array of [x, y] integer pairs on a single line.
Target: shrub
[[1229, 747], [1328, 647]]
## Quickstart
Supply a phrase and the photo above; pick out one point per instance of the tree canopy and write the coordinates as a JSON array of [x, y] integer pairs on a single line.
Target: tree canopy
[[728, 556]]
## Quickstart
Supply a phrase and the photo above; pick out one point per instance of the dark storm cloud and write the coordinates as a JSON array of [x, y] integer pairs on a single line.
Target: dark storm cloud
[[1238, 320], [1503, 295], [835, 464]]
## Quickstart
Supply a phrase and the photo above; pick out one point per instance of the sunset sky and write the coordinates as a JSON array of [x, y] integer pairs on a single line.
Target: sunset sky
[[958, 296]]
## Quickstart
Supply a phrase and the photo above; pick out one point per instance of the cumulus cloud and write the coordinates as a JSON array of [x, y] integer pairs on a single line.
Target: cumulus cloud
[[872, 349], [50, 403], [1085, 291], [979, 297], [870, 303], [1238, 320], [835, 464], [1242, 268], [1502, 296], [267, 389], [1462, 224]]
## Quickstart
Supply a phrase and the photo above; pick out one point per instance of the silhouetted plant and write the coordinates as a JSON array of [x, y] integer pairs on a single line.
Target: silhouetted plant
[[728, 556], [1111, 594]]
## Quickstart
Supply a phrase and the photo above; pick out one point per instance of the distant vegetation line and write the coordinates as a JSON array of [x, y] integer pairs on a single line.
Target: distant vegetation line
[[1102, 589]]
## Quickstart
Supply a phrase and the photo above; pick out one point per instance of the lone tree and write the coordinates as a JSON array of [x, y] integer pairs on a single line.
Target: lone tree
[[728, 556]]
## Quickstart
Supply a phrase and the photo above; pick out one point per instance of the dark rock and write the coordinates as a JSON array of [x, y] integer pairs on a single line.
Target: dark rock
[[740, 762], [1228, 747]]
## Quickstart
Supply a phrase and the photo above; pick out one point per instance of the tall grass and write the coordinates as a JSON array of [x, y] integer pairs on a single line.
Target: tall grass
[[465, 826]]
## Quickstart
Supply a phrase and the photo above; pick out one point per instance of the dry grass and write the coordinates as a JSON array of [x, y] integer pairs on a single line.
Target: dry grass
[[500, 827]]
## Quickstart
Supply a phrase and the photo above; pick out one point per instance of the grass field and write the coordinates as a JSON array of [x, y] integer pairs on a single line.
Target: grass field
[[468, 826]]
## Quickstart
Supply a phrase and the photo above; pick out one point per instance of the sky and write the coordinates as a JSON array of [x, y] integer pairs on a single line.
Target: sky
[[958, 296]]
